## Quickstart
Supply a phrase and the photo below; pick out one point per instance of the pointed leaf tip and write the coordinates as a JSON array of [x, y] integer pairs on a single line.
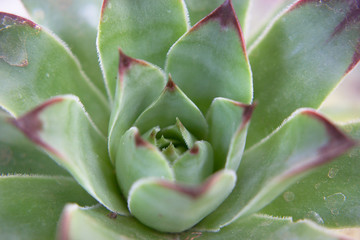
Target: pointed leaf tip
[[30, 124], [139, 141], [194, 150], [226, 15], [336, 146], [126, 61], [170, 84], [333, 131], [248, 111]]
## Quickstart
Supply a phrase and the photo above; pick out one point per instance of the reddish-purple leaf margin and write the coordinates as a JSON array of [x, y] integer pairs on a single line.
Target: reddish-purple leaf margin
[[351, 17], [192, 192], [31, 125], [226, 15], [338, 144]]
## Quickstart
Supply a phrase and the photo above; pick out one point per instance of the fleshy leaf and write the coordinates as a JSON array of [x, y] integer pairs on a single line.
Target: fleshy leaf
[[304, 142], [301, 59], [173, 104], [136, 159], [171, 207], [31, 205], [195, 165], [62, 129], [18, 155], [142, 29], [76, 23], [139, 84], [228, 122], [98, 223], [210, 60], [198, 9], [328, 196], [26, 85], [270, 228]]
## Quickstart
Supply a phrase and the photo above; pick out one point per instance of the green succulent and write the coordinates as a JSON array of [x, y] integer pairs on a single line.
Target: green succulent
[[156, 142]]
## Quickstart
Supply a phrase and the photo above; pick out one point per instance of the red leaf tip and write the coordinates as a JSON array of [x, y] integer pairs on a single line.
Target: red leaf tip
[[170, 85], [226, 15], [126, 61], [31, 125], [194, 150], [139, 142]]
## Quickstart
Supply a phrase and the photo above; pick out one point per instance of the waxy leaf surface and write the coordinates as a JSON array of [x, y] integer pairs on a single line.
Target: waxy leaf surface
[[31, 205], [210, 60], [301, 59], [139, 84], [19, 156], [142, 29], [267, 227], [138, 159], [173, 104], [171, 207], [29, 77], [97, 222], [61, 128], [330, 195], [75, 22], [228, 122], [195, 165], [304, 142]]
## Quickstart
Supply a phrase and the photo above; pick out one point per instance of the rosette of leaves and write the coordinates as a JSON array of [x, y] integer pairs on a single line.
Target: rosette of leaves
[[151, 143]]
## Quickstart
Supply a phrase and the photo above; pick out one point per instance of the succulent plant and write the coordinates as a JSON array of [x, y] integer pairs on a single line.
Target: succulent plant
[[156, 141]]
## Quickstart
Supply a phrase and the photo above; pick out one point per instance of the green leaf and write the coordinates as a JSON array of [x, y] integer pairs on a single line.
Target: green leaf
[[139, 84], [76, 23], [62, 129], [304, 142], [31, 205], [18, 154], [210, 60], [98, 223], [171, 207], [267, 227], [173, 104], [301, 59], [136, 159], [35, 66], [228, 122], [328, 196], [134, 25], [195, 165], [198, 9]]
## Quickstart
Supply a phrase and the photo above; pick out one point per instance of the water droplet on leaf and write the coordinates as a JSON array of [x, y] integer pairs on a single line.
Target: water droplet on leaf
[[289, 196], [332, 172], [314, 216], [334, 202]]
